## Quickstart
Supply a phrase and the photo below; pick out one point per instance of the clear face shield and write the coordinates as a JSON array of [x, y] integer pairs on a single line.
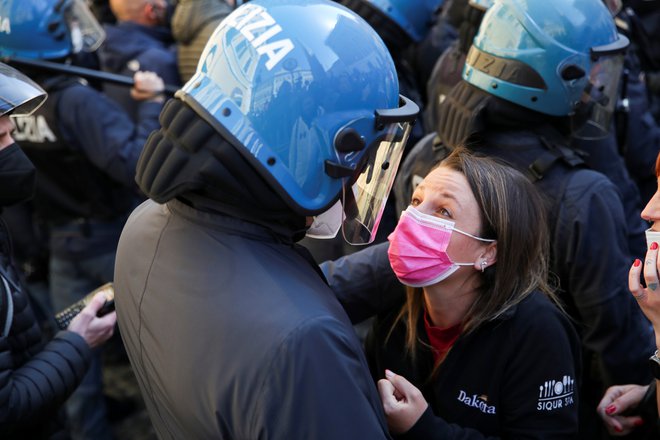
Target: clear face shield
[[86, 32], [359, 211], [594, 115], [19, 95]]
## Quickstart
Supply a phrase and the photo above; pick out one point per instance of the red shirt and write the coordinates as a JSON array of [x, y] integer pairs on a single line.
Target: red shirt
[[441, 339]]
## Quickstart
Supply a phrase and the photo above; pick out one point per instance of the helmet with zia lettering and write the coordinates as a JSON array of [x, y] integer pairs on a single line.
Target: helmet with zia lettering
[[308, 93]]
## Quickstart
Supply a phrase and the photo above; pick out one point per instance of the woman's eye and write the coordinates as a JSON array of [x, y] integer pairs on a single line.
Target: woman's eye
[[444, 212], [414, 202]]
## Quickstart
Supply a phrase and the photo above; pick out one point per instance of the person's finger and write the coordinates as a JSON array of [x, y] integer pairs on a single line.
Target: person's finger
[[96, 303], [605, 405], [108, 320], [402, 385], [620, 425], [613, 426], [622, 403], [650, 268], [634, 283], [387, 398]]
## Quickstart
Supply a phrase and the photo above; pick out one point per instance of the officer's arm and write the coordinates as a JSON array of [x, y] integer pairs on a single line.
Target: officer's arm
[[364, 282], [45, 381], [104, 132]]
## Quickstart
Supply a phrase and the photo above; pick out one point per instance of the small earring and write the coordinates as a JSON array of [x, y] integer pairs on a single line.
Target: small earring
[[483, 265]]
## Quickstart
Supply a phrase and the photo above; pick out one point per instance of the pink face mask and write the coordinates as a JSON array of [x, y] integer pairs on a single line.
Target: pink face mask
[[418, 248]]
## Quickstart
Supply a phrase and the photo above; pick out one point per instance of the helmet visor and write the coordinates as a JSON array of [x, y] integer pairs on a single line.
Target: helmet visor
[[365, 200], [601, 96], [86, 32], [19, 95]]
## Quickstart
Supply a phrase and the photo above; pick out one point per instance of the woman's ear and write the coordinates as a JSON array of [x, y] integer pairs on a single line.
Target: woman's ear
[[487, 258]]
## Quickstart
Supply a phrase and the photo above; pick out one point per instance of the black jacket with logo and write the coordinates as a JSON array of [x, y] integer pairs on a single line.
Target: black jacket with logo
[[514, 377]]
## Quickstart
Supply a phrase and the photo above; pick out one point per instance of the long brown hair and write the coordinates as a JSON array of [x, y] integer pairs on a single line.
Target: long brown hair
[[512, 212]]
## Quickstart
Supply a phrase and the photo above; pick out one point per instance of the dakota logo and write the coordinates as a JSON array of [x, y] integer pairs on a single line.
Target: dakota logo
[[479, 402], [555, 394], [251, 20]]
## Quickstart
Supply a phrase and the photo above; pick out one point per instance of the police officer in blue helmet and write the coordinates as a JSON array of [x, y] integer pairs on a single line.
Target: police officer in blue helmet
[[293, 124], [403, 25]]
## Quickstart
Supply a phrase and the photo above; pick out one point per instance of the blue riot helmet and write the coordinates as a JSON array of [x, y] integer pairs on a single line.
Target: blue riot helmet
[[397, 20], [47, 29], [307, 92], [561, 58], [19, 95]]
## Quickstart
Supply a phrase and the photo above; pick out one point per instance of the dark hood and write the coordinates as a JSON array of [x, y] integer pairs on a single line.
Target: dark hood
[[189, 160]]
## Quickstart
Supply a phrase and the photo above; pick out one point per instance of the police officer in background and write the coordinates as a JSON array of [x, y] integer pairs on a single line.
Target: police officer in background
[[193, 22], [140, 40], [228, 324], [85, 149], [35, 377]]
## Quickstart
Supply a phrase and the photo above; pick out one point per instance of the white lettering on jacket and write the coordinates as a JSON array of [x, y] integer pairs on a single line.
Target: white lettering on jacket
[[556, 394], [259, 28], [33, 129], [479, 402]]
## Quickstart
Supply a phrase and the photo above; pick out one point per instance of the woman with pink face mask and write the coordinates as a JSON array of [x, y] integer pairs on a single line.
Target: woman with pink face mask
[[479, 349]]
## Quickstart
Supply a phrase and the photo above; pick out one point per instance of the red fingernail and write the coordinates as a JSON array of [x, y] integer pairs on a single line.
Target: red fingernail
[[639, 422], [654, 246], [610, 409], [637, 262]]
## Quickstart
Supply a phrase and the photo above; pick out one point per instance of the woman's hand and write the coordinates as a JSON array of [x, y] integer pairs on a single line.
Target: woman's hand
[[648, 298], [94, 330], [618, 400], [403, 403]]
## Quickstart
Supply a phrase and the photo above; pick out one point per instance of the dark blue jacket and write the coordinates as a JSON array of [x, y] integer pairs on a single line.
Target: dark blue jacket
[[130, 47], [80, 140]]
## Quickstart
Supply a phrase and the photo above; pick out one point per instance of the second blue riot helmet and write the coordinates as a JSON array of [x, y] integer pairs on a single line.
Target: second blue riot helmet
[[307, 92], [19, 95], [398, 19], [561, 58], [47, 29]]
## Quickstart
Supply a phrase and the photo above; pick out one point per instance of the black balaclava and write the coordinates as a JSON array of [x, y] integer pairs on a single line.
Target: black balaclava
[[189, 160], [18, 176]]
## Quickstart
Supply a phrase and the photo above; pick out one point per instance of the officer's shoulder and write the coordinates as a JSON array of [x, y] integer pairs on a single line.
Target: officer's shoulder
[[78, 91], [588, 183]]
